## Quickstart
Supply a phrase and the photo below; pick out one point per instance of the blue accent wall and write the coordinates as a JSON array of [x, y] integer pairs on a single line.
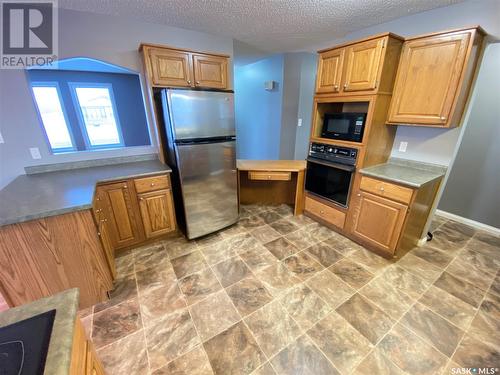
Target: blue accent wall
[[128, 100], [258, 112]]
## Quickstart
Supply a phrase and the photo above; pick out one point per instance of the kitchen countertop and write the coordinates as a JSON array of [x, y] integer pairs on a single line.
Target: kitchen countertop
[[41, 195], [406, 172], [271, 165], [61, 340]]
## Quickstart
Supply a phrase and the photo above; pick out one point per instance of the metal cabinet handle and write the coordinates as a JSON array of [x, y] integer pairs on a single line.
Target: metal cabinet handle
[[152, 184], [359, 195], [443, 118], [125, 186], [104, 220], [382, 188], [321, 212], [197, 82], [336, 87], [189, 81], [141, 198], [345, 85]]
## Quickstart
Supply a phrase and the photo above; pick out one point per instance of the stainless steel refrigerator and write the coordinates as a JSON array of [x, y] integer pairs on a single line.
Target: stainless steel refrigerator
[[201, 149]]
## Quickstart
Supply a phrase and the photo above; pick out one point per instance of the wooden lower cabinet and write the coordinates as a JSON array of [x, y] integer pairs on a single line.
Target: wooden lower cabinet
[[84, 360], [120, 213], [379, 221], [157, 212], [131, 211], [316, 207]]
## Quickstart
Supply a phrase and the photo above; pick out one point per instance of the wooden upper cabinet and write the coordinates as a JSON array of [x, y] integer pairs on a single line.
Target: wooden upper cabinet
[[379, 221], [434, 78], [363, 65], [170, 67], [210, 71], [123, 222], [157, 212], [330, 71]]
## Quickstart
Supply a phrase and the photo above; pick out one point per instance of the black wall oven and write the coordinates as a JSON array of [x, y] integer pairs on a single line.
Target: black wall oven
[[330, 171]]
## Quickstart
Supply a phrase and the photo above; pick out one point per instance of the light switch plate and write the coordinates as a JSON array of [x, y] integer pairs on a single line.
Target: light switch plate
[[403, 146], [35, 153], [1, 138], [299, 122]]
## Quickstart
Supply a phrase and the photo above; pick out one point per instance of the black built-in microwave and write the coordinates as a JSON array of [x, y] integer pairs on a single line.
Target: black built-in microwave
[[345, 126]]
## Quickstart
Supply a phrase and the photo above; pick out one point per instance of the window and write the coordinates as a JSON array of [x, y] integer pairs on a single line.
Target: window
[[88, 105], [48, 102], [98, 115]]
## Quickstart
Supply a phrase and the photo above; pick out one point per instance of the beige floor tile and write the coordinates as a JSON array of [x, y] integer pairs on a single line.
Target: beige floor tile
[[125, 357], [199, 285], [366, 317], [272, 327], [161, 301], [433, 328], [420, 267], [234, 351], [170, 337], [277, 278], [281, 248], [324, 254], [377, 363], [248, 295], [410, 353], [352, 273], [302, 357], [330, 288], [305, 306], [188, 264], [302, 265], [214, 314], [194, 362], [341, 343], [460, 289], [231, 271]]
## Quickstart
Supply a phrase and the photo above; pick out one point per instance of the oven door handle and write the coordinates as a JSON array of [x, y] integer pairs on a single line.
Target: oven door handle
[[349, 168]]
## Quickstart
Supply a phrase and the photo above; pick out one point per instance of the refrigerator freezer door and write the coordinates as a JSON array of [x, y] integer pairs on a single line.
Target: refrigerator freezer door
[[200, 114], [209, 186]]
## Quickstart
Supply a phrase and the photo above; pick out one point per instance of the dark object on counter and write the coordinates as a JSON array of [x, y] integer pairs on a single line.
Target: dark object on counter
[[24, 345]]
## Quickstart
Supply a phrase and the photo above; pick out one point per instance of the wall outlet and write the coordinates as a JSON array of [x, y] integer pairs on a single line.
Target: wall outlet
[[403, 146], [299, 122], [35, 153], [1, 138]]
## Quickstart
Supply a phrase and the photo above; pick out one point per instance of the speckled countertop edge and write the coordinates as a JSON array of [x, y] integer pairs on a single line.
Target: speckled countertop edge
[[61, 340], [78, 207], [427, 172]]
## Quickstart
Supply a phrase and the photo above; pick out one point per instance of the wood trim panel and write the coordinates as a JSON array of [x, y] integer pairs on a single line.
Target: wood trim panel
[[41, 257], [78, 364]]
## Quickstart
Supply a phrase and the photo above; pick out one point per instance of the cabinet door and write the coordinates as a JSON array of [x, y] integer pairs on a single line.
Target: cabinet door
[[428, 79], [107, 245], [379, 221], [362, 65], [123, 221], [157, 212], [210, 71], [330, 71], [170, 67]]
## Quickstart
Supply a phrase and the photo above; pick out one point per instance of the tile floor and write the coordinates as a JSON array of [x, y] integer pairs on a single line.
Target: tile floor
[[278, 294]]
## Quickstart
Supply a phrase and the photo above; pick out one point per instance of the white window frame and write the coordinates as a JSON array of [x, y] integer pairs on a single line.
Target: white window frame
[[78, 109], [63, 108]]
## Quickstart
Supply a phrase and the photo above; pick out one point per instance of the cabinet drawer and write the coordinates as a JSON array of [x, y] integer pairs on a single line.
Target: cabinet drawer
[[327, 213], [276, 176], [386, 189], [143, 185]]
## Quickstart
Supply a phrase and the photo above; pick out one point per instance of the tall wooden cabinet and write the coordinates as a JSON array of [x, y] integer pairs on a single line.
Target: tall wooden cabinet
[[171, 67], [434, 78]]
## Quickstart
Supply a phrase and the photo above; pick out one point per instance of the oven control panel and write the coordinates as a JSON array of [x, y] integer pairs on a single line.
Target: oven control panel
[[344, 155]]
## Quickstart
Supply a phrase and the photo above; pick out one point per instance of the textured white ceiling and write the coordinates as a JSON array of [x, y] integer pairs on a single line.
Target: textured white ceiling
[[271, 25]]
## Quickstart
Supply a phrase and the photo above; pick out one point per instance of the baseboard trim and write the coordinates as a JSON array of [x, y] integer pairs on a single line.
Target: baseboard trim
[[472, 223]]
